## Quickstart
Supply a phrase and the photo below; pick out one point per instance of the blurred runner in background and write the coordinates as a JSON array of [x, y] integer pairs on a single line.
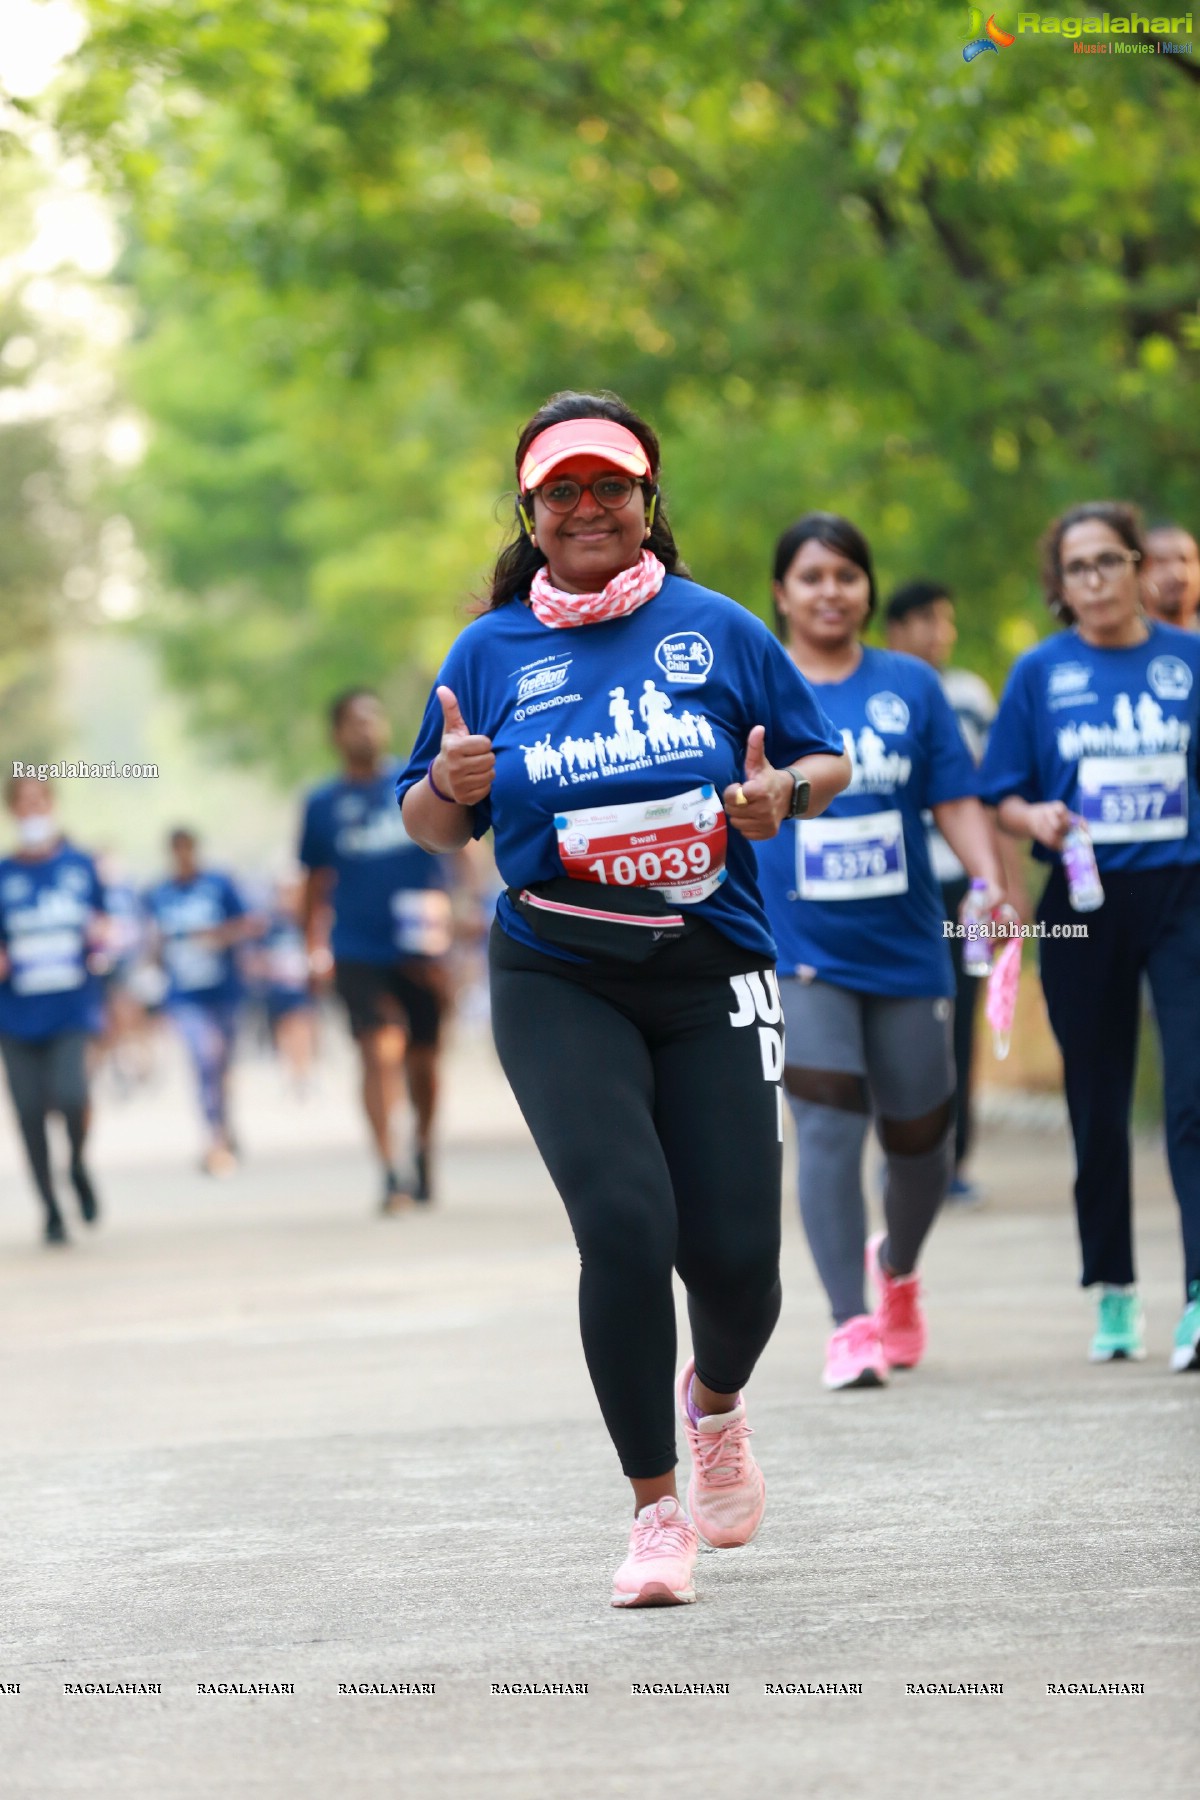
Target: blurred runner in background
[[52, 929], [1171, 576], [198, 918], [280, 960], [124, 1047], [920, 621], [392, 929]]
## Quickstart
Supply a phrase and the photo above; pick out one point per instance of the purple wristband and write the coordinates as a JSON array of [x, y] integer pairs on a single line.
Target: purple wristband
[[448, 798]]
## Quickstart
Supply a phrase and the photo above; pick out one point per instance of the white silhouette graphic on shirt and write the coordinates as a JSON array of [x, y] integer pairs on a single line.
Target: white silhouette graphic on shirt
[[1138, 729], [665, 737], [876, 769]]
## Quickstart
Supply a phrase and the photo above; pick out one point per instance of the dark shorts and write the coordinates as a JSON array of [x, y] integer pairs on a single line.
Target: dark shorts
[[411, 994]]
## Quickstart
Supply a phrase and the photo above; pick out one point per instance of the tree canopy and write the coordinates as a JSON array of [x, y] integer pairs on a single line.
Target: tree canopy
[[834, 264]]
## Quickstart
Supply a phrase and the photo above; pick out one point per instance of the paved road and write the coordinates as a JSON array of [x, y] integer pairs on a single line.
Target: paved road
[[251, 1433]]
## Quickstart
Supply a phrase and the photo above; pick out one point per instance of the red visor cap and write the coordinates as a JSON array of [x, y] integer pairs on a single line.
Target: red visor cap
[[582, 437]]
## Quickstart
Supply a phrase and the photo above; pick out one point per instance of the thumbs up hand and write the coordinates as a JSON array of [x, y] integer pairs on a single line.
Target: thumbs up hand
[[465, 766], [758, 806]]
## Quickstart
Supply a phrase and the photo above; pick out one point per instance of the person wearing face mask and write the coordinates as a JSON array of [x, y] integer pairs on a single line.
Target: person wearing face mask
[[628, 735], [1100, 723], [1171, 576], [864, 965], [52, 924]]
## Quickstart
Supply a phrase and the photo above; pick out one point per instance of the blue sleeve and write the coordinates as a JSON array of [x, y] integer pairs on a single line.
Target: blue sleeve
[[315, 851], [232, 904], [950, 773], [97, 893], [1010, 761], [795, 721], [454, 674]]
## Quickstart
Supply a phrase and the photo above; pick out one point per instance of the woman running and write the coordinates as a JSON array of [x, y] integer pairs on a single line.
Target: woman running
[[198, 919], [866, 974], [610, 719], [1100, 724], [52, 923]]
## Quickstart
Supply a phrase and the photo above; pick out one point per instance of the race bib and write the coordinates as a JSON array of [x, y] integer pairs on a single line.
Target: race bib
[[46, 962], [851, 859], [1133, 799], [422, 921], [674, 846]]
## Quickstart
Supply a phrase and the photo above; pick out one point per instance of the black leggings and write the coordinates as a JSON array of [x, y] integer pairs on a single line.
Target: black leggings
[[653, 1096], [46, 1076]]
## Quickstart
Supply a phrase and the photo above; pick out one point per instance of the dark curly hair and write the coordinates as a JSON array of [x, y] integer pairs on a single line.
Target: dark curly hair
[[836, 533], [1119, 515], [520, 559]]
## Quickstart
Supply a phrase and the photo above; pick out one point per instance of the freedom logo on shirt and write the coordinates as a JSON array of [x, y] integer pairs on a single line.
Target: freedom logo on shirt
[[686, 659], [542, 681]]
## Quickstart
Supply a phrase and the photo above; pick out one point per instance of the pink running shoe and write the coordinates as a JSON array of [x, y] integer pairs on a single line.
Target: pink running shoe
[[727, 1493], [662, 1557], [899, 1314], [854, 1355]]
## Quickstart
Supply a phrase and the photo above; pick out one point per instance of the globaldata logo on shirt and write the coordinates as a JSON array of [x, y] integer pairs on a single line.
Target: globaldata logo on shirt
[[1170, 678], [887, 712], [542, 681], [686, 659]]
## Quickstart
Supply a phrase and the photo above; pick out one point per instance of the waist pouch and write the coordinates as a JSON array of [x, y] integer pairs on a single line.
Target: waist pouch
[[592, 919]]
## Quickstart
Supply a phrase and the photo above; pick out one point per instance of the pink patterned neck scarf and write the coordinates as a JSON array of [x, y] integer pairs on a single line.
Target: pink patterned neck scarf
[[624, 594]]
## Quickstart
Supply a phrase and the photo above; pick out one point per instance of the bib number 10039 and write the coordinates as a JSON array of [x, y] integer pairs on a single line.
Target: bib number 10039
[[676, 846]]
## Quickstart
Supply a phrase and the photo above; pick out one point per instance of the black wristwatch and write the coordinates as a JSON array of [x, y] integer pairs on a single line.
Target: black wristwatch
[[801, 794]]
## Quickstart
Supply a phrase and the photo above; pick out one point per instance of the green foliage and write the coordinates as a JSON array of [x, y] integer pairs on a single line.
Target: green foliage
[[833, 263]]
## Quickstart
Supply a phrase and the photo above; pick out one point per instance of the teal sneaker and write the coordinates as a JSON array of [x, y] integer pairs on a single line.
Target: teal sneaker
[[1185, 1352], [1119, 1327]]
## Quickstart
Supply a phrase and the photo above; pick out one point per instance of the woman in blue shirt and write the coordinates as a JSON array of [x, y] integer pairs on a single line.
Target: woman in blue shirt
[[865, 971], [627, 734], [1101, 722], [52, 923]]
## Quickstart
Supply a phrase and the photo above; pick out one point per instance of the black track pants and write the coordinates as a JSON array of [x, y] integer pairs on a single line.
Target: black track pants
[[653, 1096]]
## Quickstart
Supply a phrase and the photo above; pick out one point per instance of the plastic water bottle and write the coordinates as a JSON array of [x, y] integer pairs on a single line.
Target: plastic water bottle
[[1084, 887], [977, 951]]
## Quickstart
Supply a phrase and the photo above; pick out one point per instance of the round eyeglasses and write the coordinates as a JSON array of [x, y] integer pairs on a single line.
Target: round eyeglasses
[[611, 492], [1107, 565]]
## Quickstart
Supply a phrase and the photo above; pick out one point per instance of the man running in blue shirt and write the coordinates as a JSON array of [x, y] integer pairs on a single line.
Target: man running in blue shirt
[[392, 929]]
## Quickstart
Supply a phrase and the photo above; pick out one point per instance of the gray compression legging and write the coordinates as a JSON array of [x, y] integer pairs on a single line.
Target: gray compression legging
[[848, 1055]]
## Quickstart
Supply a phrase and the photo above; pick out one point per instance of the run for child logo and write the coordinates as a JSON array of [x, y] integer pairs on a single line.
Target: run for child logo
[[685, 659]]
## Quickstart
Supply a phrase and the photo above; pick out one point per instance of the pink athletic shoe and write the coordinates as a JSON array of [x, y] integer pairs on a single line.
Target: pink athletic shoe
[[727, 1493], [899, 1314], [854, 1355], [662, 1557]]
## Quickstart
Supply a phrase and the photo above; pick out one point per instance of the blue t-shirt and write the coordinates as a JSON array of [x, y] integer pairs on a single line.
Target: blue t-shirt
[[44, 910], [625, 714], [284, 960], [1113, 734], [197, 971], [852, 895], [390, 900]]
